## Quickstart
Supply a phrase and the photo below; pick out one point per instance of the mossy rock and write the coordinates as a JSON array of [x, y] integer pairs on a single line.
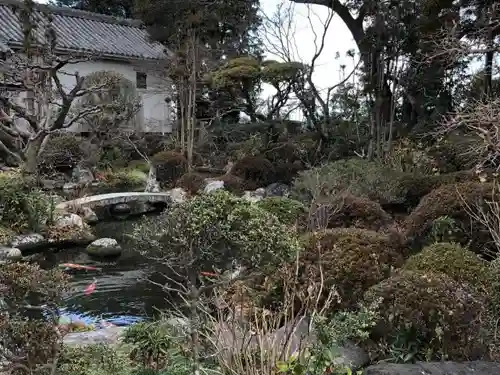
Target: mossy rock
[[256, 171], [453, 260], [347, 210], [191, 182], [350, 260], [451, 201], [169, 166], [439, 316]]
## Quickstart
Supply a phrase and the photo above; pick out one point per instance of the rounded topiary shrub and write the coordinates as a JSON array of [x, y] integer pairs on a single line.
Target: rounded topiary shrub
[[437, 316], [360, 177], [169, 166], [255, 170], [453, 201], [453, 260], [61, 153], [191, 182], [232, 183], [287, 210], [350, 260], [347, 210]]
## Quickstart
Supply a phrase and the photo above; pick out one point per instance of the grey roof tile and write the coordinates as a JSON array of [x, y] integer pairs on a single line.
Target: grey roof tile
[[80, 31]]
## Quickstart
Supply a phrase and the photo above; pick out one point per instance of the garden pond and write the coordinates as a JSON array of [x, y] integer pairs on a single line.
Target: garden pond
[[123, 293]]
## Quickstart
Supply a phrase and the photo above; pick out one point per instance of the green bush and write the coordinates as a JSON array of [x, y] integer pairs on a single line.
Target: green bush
[[31, 339], [139, 165], [453, 260], [94, 360], [169, 166], [213, 230], [494, 272], [125, 179], [61, 153], [154, 343], [350, 260], [452, 201], [434, 316], [358, 176], [287, 210], [21, 206]]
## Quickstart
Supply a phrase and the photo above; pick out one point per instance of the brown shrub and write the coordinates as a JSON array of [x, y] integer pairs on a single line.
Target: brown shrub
[[449, 200], [255, 170], [284, 152], [351, 260], [418, 186], [169, 166], [431, 311], [286, 172], [232, 183], [347, 210], [191, 182]]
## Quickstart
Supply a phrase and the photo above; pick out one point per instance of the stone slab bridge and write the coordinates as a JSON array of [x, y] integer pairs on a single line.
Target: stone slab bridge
[[119, 204]]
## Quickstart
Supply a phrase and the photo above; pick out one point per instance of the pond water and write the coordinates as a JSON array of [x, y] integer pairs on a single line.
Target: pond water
[[123, 293]]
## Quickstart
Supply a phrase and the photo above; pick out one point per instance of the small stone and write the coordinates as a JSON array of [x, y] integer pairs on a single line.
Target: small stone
[[252, 197], [10, 254], [28, 241], [213, 186], [104, 247], [277, 189], [260, 192], [82, 175], [69, 221], [177, 195]]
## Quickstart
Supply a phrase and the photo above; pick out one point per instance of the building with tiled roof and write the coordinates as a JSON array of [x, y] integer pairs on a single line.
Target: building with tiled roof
[[114, 44]]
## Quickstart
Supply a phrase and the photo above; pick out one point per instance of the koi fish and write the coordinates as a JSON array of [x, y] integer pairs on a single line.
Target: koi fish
[[78, 267], [90, 289]]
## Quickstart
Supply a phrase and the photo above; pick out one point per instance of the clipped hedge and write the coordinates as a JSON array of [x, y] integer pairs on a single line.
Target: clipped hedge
[[438, 316], [360, 177], [451, 201], [256, 171], [347, 210], [288, 211], [349, 259], [453, 260], [191, 182], [169, 166]]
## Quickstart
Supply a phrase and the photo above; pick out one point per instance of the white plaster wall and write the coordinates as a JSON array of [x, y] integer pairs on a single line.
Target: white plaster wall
[[155, 114]]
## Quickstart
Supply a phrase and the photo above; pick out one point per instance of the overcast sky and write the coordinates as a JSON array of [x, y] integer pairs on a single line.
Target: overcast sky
[[338, 40]]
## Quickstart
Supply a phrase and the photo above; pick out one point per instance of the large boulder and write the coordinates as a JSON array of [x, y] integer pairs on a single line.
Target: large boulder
[[69, 221], [106, 336], [435, 368], [9, 254], [28, 241], [104, 247]]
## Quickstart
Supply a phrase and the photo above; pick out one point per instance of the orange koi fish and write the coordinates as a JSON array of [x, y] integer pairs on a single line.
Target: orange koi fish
[[78, 267], [90, 289], [210, 274]]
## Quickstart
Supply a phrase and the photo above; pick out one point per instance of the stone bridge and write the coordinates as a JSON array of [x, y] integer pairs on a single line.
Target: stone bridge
[[123, 204]]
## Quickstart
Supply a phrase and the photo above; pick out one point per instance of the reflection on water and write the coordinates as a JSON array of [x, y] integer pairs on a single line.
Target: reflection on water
[[122, 292]]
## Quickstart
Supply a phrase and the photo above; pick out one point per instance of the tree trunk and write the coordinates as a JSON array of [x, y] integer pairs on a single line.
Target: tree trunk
[[32, 151]]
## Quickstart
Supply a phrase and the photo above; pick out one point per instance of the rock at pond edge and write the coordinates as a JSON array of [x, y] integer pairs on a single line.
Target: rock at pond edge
[[104, 247], [108, 336], [9, 254], [29, 241], [435, 368]]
